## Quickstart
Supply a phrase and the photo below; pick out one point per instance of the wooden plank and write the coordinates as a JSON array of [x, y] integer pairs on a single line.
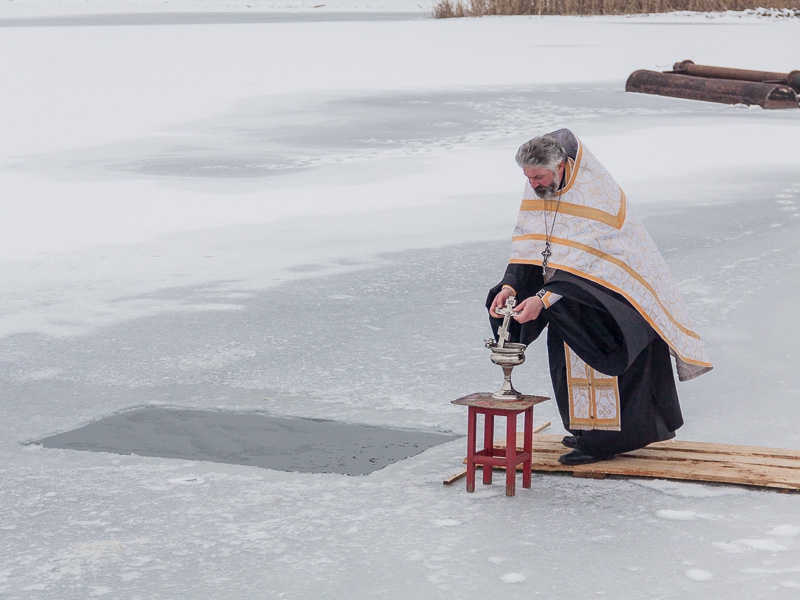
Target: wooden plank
[[727, 449], [536, 430], [689, 461], [660, 455], [690, 471], [453, 478], [681, 446], [695, 450], [663, 454]]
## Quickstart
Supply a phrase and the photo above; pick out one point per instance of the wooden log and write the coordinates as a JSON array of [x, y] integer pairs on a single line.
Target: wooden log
[[726, 91]]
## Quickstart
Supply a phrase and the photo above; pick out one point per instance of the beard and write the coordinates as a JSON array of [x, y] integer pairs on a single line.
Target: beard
[[548, 191], [545, 191]]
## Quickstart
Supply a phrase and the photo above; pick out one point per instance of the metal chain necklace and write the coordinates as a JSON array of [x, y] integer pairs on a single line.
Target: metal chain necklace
[[547, 253]]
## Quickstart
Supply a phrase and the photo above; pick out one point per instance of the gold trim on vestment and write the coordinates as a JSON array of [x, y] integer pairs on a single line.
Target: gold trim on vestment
[[644, 315], [546, 299], [576, 210], [588, 392], [557, 204], [608, 257], [573, 166]]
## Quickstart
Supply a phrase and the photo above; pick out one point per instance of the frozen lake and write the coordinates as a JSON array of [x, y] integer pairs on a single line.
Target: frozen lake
[[199, 225]]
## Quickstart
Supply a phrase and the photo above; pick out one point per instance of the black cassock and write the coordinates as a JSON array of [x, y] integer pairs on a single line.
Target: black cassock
[[604, 330]]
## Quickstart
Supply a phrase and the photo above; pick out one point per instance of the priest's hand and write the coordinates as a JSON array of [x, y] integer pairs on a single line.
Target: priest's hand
[[500, 301], [529, 309]]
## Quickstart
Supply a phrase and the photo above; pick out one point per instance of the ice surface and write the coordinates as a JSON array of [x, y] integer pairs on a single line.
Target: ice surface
[[786, 530], [303, 216], [699, 575]]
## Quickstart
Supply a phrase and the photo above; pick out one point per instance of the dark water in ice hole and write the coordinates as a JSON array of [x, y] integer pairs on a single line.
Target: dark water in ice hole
[[250, 439]]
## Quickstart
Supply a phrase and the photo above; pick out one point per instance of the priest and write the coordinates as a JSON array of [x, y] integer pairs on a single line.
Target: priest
[[585, 268]]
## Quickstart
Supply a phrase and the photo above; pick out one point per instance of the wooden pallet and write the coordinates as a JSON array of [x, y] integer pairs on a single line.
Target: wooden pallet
[[689, 461]]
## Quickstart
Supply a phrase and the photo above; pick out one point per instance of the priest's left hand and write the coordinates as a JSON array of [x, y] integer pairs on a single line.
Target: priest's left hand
[[528, 309]]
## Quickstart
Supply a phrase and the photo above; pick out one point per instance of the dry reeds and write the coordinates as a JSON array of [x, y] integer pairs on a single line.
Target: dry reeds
[[447, 9]]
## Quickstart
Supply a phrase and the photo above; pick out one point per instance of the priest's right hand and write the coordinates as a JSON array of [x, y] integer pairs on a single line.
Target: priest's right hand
[[529, 309], [500, 301]]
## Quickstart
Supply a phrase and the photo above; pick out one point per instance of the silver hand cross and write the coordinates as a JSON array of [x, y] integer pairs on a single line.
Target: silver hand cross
[[503, 334]]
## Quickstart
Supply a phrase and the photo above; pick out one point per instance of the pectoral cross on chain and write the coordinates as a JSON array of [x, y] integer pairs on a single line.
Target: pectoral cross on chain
[[546, 254]]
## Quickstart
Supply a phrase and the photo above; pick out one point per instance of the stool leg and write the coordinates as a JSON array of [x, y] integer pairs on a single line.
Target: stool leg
[[511, 453], [472, 419], [488, 445], [527, 446]]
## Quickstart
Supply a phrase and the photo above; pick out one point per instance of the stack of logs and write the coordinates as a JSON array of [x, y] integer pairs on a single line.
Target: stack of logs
[[720, 84]]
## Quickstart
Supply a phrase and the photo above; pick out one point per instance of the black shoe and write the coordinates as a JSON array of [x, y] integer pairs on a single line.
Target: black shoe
[[569, 441], [578, 457]]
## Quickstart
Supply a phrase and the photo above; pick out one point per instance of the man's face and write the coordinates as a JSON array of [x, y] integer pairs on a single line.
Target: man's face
[[544, 182]]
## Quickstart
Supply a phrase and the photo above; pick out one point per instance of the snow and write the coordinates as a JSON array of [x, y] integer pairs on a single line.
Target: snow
[[746, 545], [301, 214], [680, 515], [699, 575], [785, 530]]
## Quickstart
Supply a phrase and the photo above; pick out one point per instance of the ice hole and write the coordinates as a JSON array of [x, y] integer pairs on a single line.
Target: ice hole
[[251, 439]]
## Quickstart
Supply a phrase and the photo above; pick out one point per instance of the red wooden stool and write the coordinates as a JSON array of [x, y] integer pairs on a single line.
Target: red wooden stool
[[489, 456]]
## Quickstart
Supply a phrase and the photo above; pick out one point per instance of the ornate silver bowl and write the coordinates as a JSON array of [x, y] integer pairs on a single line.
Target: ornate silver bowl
[[507, 356]]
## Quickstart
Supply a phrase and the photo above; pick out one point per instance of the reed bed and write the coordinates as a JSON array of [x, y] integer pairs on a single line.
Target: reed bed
[[447, 9]]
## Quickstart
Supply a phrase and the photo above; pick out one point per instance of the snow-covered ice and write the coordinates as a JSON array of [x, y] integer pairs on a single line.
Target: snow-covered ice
[[699, 575], [266, 206]]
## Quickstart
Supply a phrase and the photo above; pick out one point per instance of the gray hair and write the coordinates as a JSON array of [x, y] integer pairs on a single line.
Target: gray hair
[[543, 151]]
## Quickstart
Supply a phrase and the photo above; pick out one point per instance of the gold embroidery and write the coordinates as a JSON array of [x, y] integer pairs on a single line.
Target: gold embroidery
[[593, 396], [574, 165], [617, 262], [576, 210]]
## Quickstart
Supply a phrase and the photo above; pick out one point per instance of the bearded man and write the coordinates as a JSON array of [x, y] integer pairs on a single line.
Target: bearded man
[[584, 267]]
